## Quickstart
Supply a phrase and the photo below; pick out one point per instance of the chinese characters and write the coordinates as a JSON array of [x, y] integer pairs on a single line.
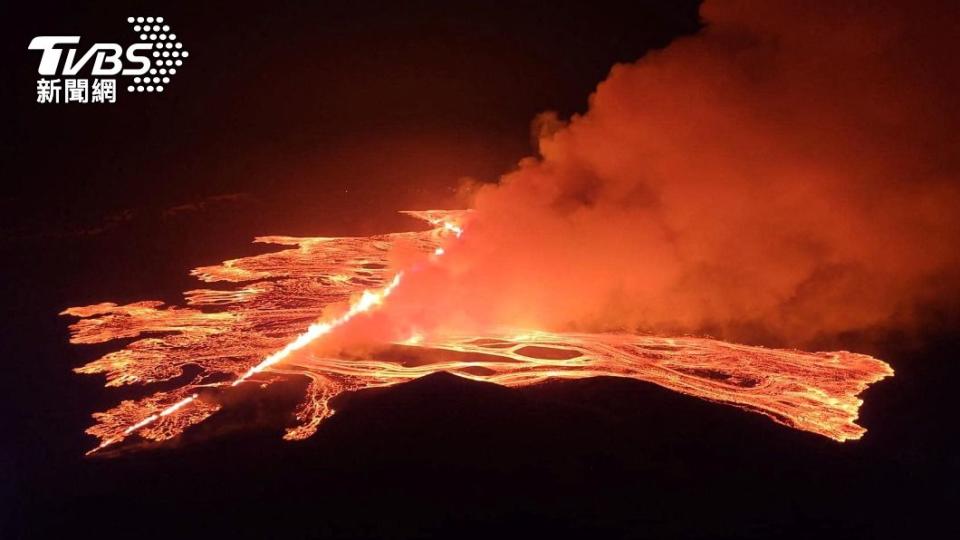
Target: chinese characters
[[76, 91]]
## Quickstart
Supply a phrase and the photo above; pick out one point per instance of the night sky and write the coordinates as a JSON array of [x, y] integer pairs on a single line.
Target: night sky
[[326, 118], [359, 107]]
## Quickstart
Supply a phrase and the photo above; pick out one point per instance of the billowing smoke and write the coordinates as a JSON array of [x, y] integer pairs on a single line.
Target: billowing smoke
[[788, 173]]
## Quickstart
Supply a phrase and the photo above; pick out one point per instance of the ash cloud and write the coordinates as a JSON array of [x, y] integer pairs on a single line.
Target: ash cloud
[[788, 173]]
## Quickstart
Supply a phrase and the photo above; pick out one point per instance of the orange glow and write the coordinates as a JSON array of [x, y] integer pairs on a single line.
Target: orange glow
[[367, 301], [267, 325]]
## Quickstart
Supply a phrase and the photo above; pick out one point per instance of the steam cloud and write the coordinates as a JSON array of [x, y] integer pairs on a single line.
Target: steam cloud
[[787, 173]]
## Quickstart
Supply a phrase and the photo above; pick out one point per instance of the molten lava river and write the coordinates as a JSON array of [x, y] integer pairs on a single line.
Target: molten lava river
[[252, 332]]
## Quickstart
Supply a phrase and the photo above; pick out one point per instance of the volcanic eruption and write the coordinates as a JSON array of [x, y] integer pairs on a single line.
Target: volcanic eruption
[[287, 290], [747, 183]]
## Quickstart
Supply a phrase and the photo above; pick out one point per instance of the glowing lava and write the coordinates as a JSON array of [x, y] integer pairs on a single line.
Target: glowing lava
[[253, 330]]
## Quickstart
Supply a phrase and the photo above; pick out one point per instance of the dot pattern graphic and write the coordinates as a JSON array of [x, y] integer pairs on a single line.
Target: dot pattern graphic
[[167, 52]]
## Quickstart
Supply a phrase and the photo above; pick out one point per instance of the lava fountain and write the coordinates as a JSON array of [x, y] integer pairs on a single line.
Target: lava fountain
[[279, 303]]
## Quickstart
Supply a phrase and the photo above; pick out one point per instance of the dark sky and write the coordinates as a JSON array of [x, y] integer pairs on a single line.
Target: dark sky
[[311, 107]]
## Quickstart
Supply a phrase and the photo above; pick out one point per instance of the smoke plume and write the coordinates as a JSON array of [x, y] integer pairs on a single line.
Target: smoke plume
[[789, 172]]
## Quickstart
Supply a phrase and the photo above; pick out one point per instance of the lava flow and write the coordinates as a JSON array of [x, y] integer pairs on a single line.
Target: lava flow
[[280, 303]]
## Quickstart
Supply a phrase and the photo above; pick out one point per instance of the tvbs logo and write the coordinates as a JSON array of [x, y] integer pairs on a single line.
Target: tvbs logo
[[150, 62], [107, 57]]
